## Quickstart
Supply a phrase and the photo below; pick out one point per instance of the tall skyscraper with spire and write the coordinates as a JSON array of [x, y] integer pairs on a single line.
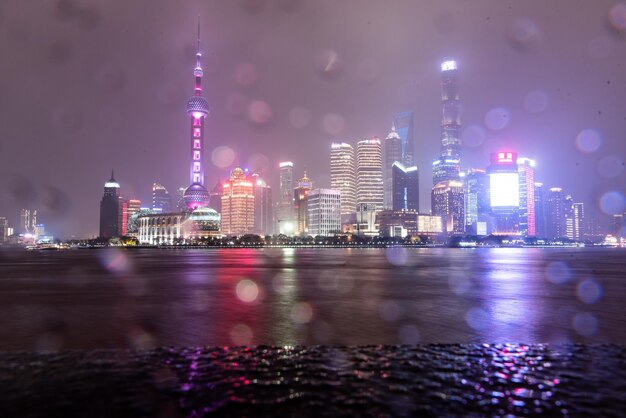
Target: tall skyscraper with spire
[[196, 195], [447, 193], [110, 225], [343, 175]]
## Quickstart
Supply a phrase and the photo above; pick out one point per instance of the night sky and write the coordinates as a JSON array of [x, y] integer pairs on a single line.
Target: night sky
[[87, 86]]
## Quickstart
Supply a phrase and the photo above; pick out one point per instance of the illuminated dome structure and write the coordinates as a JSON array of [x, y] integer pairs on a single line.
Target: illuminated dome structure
[[196, 196], [205, 219], [197, 107]]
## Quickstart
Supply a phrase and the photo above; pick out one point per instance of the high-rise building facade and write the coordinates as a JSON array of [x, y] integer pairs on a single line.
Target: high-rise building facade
[[284, 215], [526, 170], [110, 210], [263, 213], [405, 190], [556, 224], [540, 211], [504, 198], [324, 212], [476, 200], [403, 126], [448, 165], [578, 221], [369, 173], [238, 204], [392, 152], [196, 195], [300, 195], [28, 221], [447, 202], [4, 229], [343, 175], [161, 200]]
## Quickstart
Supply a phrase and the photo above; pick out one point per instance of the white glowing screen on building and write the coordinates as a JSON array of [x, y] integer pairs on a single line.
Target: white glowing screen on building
[[504, 189]]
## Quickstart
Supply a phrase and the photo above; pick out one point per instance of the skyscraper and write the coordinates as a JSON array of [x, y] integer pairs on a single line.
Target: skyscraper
[[161, 200], [300, 195], [476, 200], [28, 221], [369, 173], [447, 166], [110, 213], [526, 170], [555, 214], [4, 229], [405, 191], [323, 212], [196, 195], [403, 126], [504, 190], [540, 211], [392, 153], [343, 175], [578, 221], [447, 202], [263, 213], [284, 216], [238, 204]]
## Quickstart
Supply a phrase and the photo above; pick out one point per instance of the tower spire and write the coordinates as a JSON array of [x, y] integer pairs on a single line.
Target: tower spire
[[112, 176], [197, 72]]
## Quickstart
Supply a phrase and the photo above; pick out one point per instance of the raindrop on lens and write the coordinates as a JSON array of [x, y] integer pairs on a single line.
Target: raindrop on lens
[[588, 140], [497, 119], [585, 324], [247, 290], [589, 291], [612, 203]]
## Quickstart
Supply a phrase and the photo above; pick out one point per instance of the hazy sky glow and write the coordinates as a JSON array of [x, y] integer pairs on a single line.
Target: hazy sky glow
[[86, 86]]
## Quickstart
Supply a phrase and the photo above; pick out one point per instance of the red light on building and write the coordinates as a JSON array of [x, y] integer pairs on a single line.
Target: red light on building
[[504, 157]]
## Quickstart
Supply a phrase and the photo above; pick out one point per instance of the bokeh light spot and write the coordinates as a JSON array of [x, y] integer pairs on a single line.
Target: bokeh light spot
[[557, 272], [259, 112], [459, 283], [477, 318], [589, 291], [245, 74], [302, 313], [241, 334], [585, 324], [617, 16], [473, 136], [588, 140], [389, 311], [299, 117], [398, 256], [247, 290], [612, 203], [497, 118], [223, 156], [408, 334]]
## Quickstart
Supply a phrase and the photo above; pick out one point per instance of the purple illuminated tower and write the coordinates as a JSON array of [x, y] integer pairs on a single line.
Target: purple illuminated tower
[[196, 195]]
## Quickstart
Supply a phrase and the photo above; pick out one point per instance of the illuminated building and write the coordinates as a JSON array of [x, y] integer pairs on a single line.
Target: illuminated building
[[447, 166], [134, 206], [405, 187], [196, 195], [300, 194], [369, 173], [447, 203], [263, 216], [161, 200], [110, 211], [429, 225], [284, 215], [175, 228], [403, 126], [28, 221], [526, 170], [366, 219], [398, 147], [324, 212], [397, 223], [504, 198], [476, 201], [238, 204], [343, 175], [540, 211], [123, 216], [555, 214], [578, 219], [4, 229]]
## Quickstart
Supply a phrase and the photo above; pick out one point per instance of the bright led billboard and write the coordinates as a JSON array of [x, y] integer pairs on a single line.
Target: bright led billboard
[[504, 189]]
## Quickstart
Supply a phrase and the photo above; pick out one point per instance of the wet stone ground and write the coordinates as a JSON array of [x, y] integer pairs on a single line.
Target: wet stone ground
[[425, 380]]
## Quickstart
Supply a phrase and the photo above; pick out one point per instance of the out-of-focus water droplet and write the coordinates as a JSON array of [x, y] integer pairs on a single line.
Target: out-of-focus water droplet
[[589, 291], [247, 291], [223, 156], [557, 272], [245, 74], [408, 334], [236, 103], [459, 283], [241, 334], [397, 256], [497, 118], [389, 311], [333, 124], [585, 324], [588, 140], [617, 16], [299, 117], [328, 64], [536, 101], [477, 318], [116, 261], [473, 136], [524, 34], [302, 313], [140, 339], [612, 203], [610, 166], [259, 112]]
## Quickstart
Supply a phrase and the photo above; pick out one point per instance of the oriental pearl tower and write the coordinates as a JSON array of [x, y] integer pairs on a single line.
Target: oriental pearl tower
[[196, 195]]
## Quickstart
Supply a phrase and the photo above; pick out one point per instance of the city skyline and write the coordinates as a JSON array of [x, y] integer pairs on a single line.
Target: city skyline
[[549, 116]]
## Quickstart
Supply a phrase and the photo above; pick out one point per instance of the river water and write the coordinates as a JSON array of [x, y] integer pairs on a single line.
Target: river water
[[144, 298]]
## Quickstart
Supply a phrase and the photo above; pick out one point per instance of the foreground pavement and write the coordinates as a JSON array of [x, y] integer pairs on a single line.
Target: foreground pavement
[[425, 380]]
